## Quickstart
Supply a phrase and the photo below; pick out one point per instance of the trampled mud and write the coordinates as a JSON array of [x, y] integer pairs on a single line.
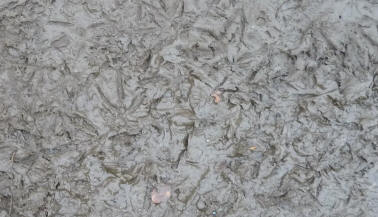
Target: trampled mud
[[243, 108]]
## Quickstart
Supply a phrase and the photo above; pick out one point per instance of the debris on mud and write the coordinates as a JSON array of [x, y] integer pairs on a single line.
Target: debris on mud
[[217, 96], [161, 194]]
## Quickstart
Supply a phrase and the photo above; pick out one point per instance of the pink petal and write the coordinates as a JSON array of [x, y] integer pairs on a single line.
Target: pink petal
[[162, 194]]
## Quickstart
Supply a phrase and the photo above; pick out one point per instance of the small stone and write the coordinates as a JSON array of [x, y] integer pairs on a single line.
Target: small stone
[[201, 205]]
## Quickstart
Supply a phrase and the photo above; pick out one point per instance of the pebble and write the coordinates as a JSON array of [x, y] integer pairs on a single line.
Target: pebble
[[201, 205]]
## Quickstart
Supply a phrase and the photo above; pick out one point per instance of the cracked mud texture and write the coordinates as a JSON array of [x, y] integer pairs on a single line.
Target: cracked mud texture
[[102, 101]]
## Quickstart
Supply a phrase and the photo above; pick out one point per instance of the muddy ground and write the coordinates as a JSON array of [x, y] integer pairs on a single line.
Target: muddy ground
[[103, 101]]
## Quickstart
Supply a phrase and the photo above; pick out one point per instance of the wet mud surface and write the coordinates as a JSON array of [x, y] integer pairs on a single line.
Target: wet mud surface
[[237, 108]]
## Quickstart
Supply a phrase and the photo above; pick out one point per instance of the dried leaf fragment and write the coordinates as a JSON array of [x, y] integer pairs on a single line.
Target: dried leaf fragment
[[161, 194], [216, 96]]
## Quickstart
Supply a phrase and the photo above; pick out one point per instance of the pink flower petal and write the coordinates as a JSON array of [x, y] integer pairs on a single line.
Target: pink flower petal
[[161, 194]]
